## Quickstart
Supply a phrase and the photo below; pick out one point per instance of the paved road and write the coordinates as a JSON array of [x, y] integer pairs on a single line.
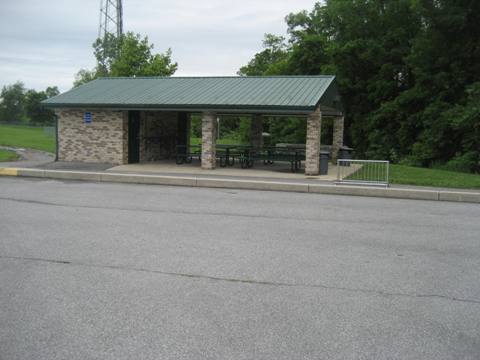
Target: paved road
[[115, 271]]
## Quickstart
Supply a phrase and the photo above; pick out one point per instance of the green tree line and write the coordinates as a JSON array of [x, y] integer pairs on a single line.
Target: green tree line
[[18, 104], [408, 72]]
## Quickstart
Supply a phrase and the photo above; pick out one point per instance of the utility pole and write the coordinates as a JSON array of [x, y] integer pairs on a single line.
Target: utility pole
[[111, 19]]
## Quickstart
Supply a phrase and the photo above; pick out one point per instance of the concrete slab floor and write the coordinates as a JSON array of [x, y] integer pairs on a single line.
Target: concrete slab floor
[[276, 171]]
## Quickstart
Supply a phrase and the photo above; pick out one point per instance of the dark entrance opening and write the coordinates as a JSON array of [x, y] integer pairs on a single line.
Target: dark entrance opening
[[133, 137], [182, 132]]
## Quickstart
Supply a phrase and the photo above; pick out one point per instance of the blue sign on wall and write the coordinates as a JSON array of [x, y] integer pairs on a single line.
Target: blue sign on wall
[[87, 117]]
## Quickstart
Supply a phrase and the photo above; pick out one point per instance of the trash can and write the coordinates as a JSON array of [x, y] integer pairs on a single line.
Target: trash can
[[345, 152], [324, 157]]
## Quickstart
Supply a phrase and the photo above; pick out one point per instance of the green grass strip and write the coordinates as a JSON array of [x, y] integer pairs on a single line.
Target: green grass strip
[[6, 155]]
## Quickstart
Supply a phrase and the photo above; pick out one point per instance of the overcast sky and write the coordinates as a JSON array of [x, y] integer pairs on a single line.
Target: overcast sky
[[46, 42]]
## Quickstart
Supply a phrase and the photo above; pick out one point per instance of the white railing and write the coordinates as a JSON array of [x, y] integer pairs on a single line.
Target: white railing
[[363, 172]]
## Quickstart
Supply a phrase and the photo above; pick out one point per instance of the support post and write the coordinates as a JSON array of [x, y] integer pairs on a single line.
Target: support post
[[312, 155], [256, 129], [209, 140], [337, 141]]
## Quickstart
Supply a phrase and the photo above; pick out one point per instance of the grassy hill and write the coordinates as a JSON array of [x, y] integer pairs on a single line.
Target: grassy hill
[[26, 137]]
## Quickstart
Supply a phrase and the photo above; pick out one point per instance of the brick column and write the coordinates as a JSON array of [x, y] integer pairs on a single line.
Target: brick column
[[337, 142], [209, 140], [256, 129], [312, 155]]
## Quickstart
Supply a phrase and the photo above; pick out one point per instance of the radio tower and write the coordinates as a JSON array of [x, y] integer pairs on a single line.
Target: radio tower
[[111, 19]]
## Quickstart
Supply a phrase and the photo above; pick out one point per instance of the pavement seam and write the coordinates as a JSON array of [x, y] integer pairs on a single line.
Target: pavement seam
[[199, 213], [162, 211], [241, 281]]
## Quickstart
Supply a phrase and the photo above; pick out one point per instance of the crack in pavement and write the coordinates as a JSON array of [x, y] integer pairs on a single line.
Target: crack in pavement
[[241, 281], [180, 212]]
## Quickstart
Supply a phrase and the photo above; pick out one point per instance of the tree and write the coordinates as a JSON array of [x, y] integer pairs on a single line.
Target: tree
[[12, 101], [445, 59], [129, 55], [84, 76], [464, 119], [408, 72], [36, 113], [135, 58], [275, 50]]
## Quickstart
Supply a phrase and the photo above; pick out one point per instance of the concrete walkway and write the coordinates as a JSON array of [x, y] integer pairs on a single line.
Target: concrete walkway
[[280, 171], [28, 157]]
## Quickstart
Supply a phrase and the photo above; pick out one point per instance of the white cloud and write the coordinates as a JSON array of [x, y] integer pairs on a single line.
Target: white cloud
[[45, 43]]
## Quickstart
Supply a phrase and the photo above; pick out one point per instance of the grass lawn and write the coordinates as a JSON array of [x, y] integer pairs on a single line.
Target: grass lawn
[[6, 155], [409, 175], [26, 137], [222, 141]]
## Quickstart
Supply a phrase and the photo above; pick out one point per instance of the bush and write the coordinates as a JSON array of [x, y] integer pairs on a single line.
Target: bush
[[462, 163]]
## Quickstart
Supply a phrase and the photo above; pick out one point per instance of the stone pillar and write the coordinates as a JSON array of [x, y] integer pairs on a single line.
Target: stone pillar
[[256, 129], [312, 154], [337, 142], [209, 140]]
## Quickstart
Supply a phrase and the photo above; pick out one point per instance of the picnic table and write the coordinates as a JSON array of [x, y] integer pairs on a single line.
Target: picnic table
[[186, 153], [226, 154], [270, 155], [230, 152], [245, 154]]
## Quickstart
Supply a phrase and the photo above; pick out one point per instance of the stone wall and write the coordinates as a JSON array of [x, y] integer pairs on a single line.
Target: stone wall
[[104, 140]]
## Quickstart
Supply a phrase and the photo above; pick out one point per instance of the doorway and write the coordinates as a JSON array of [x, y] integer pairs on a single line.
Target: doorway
[[133, 137]]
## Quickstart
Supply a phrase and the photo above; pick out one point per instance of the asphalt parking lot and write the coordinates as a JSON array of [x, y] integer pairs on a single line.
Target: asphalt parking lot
[[118, 271]]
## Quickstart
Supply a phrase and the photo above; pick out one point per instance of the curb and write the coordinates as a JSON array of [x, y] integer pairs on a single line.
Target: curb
[[8, 171], [414, 194]]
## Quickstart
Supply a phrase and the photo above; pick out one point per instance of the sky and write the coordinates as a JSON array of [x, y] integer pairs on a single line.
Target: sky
[[45, 42]]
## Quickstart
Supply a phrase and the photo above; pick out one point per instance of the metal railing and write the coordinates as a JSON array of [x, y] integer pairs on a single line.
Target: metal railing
[[363, 172]]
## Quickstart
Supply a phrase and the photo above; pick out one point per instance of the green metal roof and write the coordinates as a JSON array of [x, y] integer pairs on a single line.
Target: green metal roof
[[274, 94]]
